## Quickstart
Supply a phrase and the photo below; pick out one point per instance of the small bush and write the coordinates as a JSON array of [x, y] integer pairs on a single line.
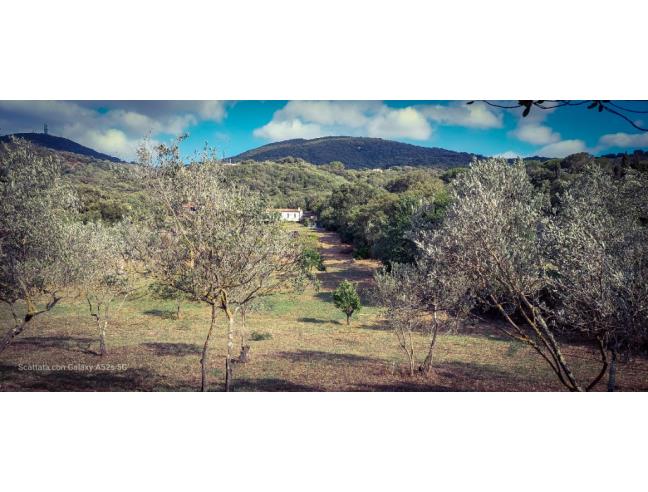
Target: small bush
[[257, 336], [361, 252], [312, 260]]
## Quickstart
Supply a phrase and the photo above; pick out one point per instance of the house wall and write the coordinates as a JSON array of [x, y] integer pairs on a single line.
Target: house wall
[[291, 216]]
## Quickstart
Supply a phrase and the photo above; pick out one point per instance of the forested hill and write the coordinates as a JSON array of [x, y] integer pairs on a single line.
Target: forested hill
[[60, 144], [358, 152]]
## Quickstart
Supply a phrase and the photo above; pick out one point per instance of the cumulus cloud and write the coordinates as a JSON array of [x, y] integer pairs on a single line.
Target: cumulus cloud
[[353, 114], [202, 110], [476, 115], [534, 131], [399, 123], [113, 127], [310, 119], [623, 140], [288, 130], [111, 141], [535, 134], [563, 148]]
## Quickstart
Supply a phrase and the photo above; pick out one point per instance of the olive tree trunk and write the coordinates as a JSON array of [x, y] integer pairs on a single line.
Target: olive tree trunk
[[11, 334], [426, 367], [19, 327], [102, 325], [205, 350], [613, 371], [230, 347], [410, 356], [243, 330]]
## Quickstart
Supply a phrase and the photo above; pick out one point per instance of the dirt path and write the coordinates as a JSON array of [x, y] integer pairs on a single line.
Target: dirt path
[[340, 264]]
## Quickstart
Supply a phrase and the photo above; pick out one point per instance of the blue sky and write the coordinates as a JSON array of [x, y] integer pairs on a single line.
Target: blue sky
[[118, 127]]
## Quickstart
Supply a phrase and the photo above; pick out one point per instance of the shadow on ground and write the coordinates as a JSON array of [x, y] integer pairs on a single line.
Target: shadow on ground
[[319, 356], [402, 387], [178, 349], [269, 385], [380, 326], [161, 313], [319, 321], [72, 344], [483, 377], [78, 380]]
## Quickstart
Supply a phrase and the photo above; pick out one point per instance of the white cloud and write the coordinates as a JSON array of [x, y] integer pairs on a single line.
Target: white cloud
[[117, 129], [311, 119], [141, 124], [288, 130], [509, 154], [211, 110], [399, 123], [623, 140], [353, 114], [562, 148], [110, 141], [535, 134], [532, 130], [476, 115]]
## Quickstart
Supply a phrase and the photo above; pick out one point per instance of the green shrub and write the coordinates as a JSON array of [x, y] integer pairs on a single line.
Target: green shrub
[[257, 336], [346, 299]]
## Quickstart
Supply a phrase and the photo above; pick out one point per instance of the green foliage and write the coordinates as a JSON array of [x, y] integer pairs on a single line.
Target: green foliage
[[159, 290], [376, 212], [336, 166], [579, 266], [600, 258], [257, 336], [312, 260], [346, 299], [109, 192], [36, 207], [285, 184], [450, 174], [358, 152], [555, 176], [216, 240]]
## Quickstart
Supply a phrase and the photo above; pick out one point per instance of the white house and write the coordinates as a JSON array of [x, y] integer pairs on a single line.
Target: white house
[[290, 214]]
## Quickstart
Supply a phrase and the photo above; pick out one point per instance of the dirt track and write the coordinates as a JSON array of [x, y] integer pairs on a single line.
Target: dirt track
[[340, 264]]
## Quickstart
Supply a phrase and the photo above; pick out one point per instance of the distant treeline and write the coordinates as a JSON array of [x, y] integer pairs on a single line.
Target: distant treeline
[[372, 209]]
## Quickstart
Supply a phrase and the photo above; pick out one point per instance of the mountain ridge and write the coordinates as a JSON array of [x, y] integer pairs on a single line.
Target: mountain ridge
[[358, 152], [60, 144]]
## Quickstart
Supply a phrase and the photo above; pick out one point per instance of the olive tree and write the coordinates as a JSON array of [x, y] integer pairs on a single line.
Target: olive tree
[[599, 246], [493, 233], [400, 292], [425, 296], [262, 259], [446, 294], [216, 241], [36, 208], [104, 275]]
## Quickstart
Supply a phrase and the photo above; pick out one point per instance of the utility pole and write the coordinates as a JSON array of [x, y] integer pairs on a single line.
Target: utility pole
[[45, 128]]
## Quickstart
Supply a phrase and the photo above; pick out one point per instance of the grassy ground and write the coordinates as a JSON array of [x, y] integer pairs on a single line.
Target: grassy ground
[[300, 343]]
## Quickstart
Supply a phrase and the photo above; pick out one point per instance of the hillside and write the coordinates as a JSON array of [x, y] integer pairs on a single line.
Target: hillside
[[60, 144], [296, 184], [358, 152]]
